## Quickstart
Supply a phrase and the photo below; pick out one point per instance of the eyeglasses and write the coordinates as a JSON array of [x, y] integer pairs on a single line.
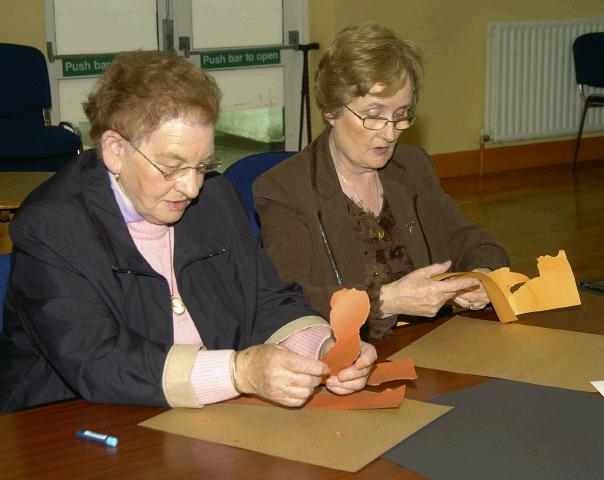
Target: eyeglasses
[[377, 123], [210, 164]]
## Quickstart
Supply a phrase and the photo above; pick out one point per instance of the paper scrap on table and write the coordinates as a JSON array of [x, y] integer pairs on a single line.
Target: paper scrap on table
[[599, 386], [555, 287], [349, 310]]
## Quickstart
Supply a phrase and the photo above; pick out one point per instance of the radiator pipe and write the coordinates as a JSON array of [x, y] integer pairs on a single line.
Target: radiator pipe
[[482, 140]]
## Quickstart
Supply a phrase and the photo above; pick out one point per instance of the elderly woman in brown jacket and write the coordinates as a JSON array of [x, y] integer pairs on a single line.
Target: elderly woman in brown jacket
[[356, 209]]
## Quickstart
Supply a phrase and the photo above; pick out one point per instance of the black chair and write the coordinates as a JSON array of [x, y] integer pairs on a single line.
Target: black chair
[[243, 173], [27, 140], [588, 52], [4, 273]]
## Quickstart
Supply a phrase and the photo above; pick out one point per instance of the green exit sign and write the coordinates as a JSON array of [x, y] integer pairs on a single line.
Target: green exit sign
[[78, 67], [240, 58]]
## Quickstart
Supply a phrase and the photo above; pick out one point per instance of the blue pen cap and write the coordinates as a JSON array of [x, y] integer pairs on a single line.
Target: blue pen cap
[[97, 437], [111, 441]]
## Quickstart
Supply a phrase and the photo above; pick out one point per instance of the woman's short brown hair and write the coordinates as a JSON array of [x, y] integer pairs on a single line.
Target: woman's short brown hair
[[140, 90], [361, 56]]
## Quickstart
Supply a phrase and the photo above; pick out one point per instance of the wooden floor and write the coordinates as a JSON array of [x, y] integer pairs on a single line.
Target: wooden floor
[[539, 211]]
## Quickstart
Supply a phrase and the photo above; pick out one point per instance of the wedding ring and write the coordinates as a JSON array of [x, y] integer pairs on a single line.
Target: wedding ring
[[471, 305]]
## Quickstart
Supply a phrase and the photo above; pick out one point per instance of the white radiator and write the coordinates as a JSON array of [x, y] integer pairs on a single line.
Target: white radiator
[[531, 89]]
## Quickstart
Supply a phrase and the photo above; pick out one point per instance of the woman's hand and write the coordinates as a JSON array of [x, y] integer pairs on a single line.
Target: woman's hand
[[354, 378], [417, 294], [275, 373], [475, 299]]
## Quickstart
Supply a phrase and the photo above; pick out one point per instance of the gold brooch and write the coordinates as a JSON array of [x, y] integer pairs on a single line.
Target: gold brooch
[[410, 226]]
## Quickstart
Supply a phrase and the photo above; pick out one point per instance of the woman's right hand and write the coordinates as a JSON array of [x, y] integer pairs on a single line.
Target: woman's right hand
[[417, 294], [275, 373]]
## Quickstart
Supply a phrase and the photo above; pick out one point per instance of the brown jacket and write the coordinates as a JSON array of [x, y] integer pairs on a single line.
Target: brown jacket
[[289, 196]]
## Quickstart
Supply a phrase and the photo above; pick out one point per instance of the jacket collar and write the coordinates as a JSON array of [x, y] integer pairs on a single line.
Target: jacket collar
[[105, 213]]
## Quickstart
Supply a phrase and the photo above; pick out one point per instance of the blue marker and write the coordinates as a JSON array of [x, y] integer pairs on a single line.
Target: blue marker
[[97, 437]]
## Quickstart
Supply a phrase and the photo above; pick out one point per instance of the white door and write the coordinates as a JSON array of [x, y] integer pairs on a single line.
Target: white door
[[245, 44]]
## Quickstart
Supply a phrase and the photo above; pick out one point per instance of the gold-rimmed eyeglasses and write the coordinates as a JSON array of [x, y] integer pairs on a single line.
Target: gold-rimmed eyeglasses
[[377, 123], [210, 164]]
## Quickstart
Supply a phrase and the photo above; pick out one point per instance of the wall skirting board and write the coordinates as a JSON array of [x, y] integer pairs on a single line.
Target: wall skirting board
[[499, 159]]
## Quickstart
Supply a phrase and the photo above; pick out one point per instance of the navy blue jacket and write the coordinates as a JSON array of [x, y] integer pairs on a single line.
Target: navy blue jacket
[[86, 315]]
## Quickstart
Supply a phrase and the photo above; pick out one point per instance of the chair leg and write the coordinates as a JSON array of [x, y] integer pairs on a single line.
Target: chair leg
[[578, 142]]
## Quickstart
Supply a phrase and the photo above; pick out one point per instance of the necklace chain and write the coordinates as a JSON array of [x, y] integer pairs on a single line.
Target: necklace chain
[[178, 306], [356, 199], [355, 195], [353, 191]]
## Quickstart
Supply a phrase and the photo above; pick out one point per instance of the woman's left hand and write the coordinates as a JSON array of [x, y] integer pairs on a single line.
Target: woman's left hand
[[475, 299], [354, 378]]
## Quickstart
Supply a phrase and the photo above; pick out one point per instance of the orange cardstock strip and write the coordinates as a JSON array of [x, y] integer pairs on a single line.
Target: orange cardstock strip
[[555, 287], [388, 371], [364, 400], [389, 398], [382, 372], [498, 299], [349, 310]]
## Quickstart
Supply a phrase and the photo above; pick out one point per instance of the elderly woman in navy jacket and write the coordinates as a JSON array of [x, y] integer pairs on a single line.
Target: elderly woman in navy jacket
[[130, 286]]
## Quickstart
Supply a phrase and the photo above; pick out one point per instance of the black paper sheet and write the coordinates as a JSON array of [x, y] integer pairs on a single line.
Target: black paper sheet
[[504, 429]]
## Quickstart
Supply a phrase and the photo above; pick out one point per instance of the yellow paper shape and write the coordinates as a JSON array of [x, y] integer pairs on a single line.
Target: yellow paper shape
[[555, 287]]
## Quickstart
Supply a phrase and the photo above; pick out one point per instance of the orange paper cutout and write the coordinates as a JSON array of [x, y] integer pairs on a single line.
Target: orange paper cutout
[[349, 310], [364, 400], [555, 287], [388, 371]]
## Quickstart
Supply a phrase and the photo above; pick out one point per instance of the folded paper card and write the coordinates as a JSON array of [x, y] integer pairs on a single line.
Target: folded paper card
[[341, 439], [542, 356], [555, 287]]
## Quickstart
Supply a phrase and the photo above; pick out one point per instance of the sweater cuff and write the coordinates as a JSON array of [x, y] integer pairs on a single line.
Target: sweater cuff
[[211, 376], [308, 342], [294, 326]]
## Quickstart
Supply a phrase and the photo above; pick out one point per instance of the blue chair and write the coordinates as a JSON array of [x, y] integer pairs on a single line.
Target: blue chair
[[27, 140], [4, 272], [243, 173], [588, 53]]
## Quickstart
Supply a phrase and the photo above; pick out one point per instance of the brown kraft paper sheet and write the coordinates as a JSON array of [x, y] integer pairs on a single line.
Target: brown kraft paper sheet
[[340, 439], [537, 355]]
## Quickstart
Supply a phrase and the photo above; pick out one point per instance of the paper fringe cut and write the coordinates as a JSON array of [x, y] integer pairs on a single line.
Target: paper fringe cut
[[555, 287], [349, 310]]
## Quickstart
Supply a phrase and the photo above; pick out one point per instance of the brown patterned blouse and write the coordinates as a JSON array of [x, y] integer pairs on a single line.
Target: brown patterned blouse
[[385, 260]]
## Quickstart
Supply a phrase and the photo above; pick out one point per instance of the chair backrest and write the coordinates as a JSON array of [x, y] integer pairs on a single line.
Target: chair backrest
[[4, 272], [26, 141], [24, 83], [243, 173], [588, 52]]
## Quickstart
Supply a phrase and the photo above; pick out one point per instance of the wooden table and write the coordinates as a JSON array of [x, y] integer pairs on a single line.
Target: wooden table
[[40, 443], [14, 187]]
